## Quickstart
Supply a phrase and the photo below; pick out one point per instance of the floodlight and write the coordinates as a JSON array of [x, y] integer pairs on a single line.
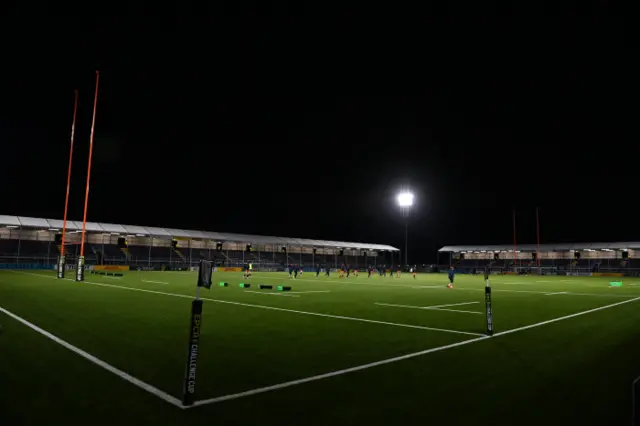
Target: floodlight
[[405, 199]]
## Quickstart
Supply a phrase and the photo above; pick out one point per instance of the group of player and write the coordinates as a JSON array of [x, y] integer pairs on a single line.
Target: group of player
[[294, 271], [345, 271]]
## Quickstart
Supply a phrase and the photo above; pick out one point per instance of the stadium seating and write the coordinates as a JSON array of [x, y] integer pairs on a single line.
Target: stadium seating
[[112, 251], [27, 248], [139, 253], [8, 247], [35, 251], [30, 248]]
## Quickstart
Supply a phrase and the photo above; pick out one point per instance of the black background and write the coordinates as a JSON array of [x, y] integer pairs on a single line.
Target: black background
[[309, 128]]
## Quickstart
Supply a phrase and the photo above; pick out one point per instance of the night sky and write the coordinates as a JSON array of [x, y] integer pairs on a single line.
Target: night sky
[[295, 128]]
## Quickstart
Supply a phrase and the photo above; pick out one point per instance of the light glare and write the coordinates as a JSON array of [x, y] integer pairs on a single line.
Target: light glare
[[405, 199]]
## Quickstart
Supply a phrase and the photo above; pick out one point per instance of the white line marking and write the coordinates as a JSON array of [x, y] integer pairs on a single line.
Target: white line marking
[[542, 292], [250, 305], [457, 310], [600, 295], [333, 373], [429, 286], [444, 287], [560, 292], [546, 281], [154, 282], [270, 294], [304, 292], [356, 368], [113, 278], [526, 327], [452, 304], [137, 382], [428, 308], [395, 359]]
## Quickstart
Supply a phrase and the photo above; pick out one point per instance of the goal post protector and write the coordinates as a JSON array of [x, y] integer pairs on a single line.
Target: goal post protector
[[487, 301], [193, 349], [61, 266]]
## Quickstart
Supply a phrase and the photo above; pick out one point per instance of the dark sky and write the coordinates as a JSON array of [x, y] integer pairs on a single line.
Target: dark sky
[[306, 128]]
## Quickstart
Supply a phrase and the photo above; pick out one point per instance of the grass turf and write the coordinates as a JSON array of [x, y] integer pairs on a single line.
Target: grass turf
[[577, 370]]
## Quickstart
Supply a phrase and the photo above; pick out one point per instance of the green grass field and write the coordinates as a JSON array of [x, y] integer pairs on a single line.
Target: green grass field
[[331, 352]]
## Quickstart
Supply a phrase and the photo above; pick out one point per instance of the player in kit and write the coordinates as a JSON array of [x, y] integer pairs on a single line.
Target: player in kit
[[300, 268], [318, 268], [247, 271], [413, 271], [398, 271], [348, 270], [341, 272], [327, 270], [295, 271], [369, 270], [290, 268], [355, 271], [452, 274]]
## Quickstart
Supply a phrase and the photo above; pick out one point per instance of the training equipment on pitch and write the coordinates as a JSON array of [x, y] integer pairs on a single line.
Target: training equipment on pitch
[[223, 284], [204, 274], [615, 284], [266, 287], [487, 301], [243, 285], [284, 288], [193, 348]]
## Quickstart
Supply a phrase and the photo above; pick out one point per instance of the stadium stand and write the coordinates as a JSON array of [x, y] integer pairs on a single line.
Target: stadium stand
[[35, 248], [570, 259], [8, 247], [32, 240]]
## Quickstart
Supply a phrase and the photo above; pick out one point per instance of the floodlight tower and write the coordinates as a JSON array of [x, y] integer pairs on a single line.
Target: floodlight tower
[[405, 201]]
